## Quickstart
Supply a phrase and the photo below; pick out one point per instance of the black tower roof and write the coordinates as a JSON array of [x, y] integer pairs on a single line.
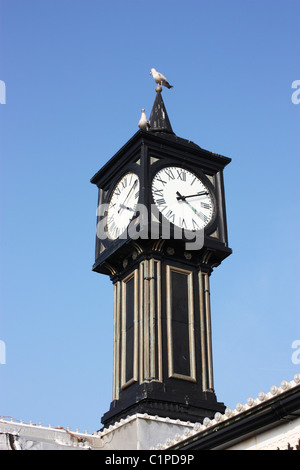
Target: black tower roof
[[159, 119]]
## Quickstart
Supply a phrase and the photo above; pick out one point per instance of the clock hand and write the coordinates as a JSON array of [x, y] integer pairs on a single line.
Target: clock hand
[[182, 198], [199, 214], [132, 188], [126, 207]]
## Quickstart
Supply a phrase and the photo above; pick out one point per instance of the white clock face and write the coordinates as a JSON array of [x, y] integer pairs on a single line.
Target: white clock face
[[182, 198], [122, 205]]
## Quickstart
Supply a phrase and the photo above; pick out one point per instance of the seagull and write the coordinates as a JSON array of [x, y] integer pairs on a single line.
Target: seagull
[[143, 123], [160, 79]]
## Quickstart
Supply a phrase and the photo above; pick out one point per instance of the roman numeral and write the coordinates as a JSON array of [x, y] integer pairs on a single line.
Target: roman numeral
[[170, 215], [118, 191], [205, 205], [195, 225], [158, 192], [202, 216], [170, 174], [112, 226], [160, 202], [124, 183], [182, 223], [162, 181], [181, 175]]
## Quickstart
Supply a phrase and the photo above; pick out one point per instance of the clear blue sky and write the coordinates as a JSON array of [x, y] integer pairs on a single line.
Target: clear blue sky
[[77, 76]]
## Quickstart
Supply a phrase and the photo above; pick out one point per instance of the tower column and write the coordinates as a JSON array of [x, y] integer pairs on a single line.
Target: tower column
[[150, 321], [117, 341], [206, 333]]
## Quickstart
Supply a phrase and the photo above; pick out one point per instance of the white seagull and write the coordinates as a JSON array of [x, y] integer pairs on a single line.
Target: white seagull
[[160, 79], [143, 123]]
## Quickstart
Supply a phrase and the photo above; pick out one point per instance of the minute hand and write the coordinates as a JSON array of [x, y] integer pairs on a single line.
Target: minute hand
[[132, 187], [199, 214], [182, 198]]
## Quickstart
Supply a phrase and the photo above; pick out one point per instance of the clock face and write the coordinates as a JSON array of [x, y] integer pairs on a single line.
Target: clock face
[[182, 198], [122, 204]]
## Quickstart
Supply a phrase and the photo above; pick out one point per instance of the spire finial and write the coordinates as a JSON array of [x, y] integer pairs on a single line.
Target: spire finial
[[158, 89]]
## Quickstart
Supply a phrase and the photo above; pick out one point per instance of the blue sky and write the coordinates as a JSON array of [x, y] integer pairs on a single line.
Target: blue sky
[[77, 76]]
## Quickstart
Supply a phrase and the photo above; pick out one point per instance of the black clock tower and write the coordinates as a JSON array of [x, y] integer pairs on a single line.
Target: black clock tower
[[157, 194]]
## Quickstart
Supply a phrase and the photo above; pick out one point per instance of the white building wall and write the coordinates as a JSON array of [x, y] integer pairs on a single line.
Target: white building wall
[[137, 432], [282, 437]]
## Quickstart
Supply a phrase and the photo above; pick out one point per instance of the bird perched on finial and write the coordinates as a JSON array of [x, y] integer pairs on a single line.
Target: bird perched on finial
[[143, 123], [160, 79]]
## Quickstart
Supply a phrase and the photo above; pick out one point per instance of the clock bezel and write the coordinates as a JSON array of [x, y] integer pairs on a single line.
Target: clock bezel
[[159, 166], [104, 246], [110, 196]]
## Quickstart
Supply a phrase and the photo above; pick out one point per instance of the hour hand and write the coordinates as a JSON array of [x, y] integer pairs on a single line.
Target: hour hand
[[126, 207], [182, 198]]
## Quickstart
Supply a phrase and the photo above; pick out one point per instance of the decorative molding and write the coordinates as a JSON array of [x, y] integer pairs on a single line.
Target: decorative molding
[[150, 321], [232, 416], [111, 269], [137, 247], [117, 340], [205, 332], [158, 245]]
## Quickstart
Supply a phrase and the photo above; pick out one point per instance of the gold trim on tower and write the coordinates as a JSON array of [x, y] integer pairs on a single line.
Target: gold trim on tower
[[117, 339], [150, 321], [205, 332]]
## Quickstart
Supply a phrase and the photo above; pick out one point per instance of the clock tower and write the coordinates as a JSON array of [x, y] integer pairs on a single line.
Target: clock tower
[[161, 230]]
